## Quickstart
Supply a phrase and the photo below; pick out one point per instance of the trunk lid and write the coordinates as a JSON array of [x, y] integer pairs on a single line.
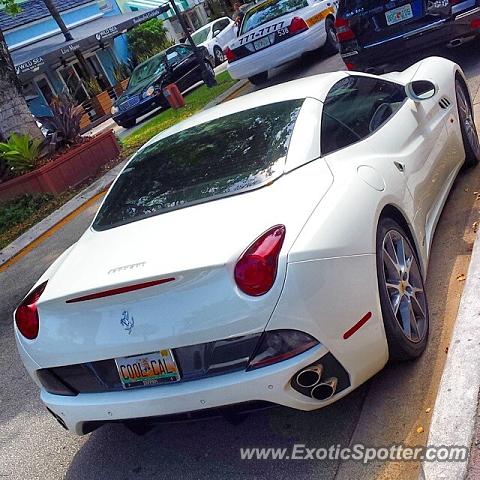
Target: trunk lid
[[373, 21], [197, 247]]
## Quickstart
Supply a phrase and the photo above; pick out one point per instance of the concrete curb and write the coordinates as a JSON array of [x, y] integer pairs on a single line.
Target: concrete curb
[[76, 202], [453, 421], [47, 223]]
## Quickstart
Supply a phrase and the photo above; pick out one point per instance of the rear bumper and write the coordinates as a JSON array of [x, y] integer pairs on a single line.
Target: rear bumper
[[278, 54], [308, 304], [391, 51]]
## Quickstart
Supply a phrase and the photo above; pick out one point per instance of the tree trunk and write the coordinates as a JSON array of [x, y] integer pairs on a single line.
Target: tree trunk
[[15, 116]]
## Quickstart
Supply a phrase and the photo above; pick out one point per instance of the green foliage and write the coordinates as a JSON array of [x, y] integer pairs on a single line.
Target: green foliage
[[65, 121], [11, 7], [16, 211], [20, 153], [92, 86], [148, 39]]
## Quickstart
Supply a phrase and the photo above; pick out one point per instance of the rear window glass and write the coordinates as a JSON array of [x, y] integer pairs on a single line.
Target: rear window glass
[[269, 10], [219, 158]]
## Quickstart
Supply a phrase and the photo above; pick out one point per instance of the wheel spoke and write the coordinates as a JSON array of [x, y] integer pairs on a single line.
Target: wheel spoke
[[413, 321], [401, 254], [405, 317], [417, 303]]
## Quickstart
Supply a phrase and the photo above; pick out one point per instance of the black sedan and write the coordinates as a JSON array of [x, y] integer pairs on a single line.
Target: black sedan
[[177, 64]]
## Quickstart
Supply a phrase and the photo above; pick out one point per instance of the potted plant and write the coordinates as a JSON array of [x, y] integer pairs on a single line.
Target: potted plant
[[76, 159], [101, 101], [121, 74]]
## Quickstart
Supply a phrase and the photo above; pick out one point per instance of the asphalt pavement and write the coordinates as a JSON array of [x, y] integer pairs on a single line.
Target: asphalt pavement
[[390, 408]]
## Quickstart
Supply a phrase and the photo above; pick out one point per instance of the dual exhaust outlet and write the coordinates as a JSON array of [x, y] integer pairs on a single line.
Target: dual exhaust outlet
[[311, 377]]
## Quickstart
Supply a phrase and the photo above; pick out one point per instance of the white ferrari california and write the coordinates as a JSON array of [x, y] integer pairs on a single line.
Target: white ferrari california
[[271, 249]]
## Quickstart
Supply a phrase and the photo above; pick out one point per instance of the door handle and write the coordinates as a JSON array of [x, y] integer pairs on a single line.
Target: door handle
[[400, 166]]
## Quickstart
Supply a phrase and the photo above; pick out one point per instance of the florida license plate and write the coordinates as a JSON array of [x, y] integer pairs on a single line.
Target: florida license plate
[[261, 43], [148, 369], [399, 14]]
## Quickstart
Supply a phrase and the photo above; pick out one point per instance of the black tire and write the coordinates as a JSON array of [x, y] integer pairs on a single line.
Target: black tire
[[331, 45], [471, 142], [259, 78], [218, 55], [411, 316]]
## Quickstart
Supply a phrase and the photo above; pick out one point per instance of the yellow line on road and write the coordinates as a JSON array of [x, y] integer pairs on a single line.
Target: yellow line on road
[[35, 243]]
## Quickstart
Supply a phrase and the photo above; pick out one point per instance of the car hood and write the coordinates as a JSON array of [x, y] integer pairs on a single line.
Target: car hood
[[139, 88]]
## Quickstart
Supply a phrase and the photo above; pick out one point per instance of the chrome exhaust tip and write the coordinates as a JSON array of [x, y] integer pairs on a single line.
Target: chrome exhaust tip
[[324, 390], [310, 376]]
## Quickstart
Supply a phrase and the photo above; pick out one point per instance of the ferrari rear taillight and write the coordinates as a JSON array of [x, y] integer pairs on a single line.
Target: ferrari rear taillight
[[230, 54], [297, 25], [26, 315], [256, 269], [344, 32]]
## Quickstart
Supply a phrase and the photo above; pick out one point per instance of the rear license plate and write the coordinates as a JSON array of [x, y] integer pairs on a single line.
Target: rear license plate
[[399, 14], [148, 369], [262, 43]]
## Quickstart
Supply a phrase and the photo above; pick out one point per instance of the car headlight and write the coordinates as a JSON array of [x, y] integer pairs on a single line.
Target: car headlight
[[149, 91], [114, 110], [277, 345]]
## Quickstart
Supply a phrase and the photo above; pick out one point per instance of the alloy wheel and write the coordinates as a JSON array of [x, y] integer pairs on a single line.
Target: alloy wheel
[[466, 118], [404, 286], [219, 56]]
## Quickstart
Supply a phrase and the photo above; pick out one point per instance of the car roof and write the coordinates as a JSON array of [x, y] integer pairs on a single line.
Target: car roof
[[316, 86]]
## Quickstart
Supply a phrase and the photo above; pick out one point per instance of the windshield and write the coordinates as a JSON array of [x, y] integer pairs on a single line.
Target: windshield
[[201, 35], [151, 68], [221, 157], [269, 10]]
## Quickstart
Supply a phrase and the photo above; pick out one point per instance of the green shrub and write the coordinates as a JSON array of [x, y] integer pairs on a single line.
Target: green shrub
[[147, 39], [14, 212], [20, 153]]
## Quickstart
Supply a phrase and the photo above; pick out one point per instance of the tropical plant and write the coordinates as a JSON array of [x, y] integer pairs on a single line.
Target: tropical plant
[[147, 39], [121, 72], [65, 120], [92, 86], [20, 153]]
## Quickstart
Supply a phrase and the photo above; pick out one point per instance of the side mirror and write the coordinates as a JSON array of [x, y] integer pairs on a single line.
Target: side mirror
[[215, 33], [419, 90]]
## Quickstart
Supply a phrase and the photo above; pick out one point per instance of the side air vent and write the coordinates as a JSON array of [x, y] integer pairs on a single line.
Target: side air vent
[[444, 103]]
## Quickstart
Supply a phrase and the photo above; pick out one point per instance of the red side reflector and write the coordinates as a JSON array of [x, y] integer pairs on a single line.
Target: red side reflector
[[474, 24], [350, 66], [118, 291], [357, 326]]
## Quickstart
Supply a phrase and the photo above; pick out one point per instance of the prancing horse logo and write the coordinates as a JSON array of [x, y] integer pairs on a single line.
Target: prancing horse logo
[[127, 322]]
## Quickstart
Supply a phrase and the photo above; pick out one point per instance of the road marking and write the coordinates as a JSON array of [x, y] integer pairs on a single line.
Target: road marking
[[61, 223]]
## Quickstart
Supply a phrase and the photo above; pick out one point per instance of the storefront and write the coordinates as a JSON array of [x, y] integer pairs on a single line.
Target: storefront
[[84, 67]]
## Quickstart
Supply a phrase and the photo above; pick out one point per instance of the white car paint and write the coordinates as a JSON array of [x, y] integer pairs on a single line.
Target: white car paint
[[262, 60], [326, 277], [219, 35]]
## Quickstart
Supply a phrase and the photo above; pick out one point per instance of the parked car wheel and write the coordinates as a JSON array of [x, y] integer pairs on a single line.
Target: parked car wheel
[[331, 44], [259, 78], [471, 143], [402, 293], [219, 56]]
